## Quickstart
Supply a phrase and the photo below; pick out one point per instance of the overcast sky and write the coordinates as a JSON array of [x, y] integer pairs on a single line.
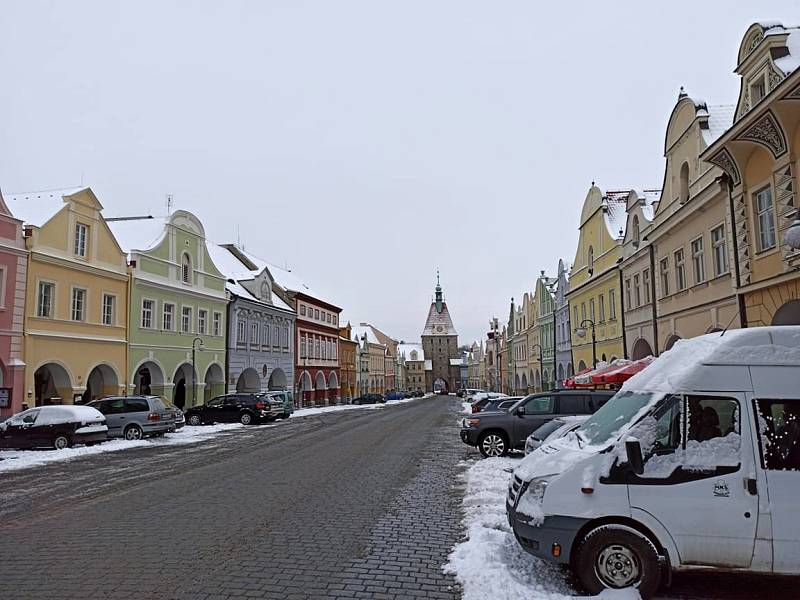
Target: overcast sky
[[364, 144]]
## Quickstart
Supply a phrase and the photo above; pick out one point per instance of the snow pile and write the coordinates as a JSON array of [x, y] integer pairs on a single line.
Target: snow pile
[[12, 460], [466, 407], [490, 563], [698, 456]]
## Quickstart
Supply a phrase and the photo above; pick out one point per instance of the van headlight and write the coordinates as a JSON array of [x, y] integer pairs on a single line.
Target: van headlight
[[537, 488]]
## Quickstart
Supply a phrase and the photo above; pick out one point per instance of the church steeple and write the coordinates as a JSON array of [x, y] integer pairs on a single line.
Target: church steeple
[[439, 296]]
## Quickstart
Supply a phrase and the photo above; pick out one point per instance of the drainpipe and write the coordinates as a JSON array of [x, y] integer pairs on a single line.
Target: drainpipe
[[737, 274], [653, 306], [622, 314]]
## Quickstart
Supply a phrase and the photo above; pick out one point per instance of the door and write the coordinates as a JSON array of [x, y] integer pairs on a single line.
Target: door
[[571, 404], [694, 479], [116, 417], [536, 411], [18, 430], [781, 461], [211, 411], [229, 413]]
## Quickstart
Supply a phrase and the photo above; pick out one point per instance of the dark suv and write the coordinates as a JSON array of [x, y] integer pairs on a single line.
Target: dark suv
[[230, 408], [497, 432], [370, 399]]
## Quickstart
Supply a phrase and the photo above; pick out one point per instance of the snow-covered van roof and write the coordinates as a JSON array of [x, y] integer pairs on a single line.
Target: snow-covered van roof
[[685, 367]]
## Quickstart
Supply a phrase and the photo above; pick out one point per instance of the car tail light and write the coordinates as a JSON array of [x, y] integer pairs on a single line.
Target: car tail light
[[260, 405], [154, 416], [476, 409]]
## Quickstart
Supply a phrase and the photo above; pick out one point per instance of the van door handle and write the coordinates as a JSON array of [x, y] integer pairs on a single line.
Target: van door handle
[[751, 486]]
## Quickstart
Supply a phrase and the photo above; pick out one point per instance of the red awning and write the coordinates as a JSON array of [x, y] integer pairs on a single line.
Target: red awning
[[570, 381], [588, 379], [621, 373]]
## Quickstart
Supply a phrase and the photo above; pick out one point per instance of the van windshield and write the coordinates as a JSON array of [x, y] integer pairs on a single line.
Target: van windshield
[[613, 416]]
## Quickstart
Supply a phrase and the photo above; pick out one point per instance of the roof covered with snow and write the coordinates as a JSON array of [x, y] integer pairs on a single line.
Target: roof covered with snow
[[438, 318], [36, 208], [791, 61], [407, 349], [615, 213], [365, 329], [720, 119], [457, 362], [139, 233]]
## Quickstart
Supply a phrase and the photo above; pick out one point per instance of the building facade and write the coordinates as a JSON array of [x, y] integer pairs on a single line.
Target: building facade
[[564, 367], [544, 305], [348, 365], [759, 154], [594, 282], [178, 309], [259, 341], [13, 277], [440, 344], [377, 357], [75, 342]]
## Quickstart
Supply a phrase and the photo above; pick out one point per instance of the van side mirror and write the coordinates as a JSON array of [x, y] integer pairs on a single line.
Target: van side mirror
[[634, 451], [520, 412]]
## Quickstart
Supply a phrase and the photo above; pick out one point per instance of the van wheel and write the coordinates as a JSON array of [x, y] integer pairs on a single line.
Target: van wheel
[[493, 443], [61, 441], [615, 557], [133, 432], [194, 420], [245, 418]]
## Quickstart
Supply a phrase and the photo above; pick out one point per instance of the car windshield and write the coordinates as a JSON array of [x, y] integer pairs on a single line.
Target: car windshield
[[547, 429], [613, 416]]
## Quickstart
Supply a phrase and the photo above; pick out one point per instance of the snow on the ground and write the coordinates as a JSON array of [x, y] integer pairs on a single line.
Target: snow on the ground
[[304, 412], [490, 563], [12, 460]]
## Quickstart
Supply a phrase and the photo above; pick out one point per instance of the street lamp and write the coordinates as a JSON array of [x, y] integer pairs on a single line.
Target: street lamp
[[541, 366], [195, 348], [792, 236], [581, 333]]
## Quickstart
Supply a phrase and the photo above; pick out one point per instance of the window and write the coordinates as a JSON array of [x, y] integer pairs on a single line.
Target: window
[[316, 349], [186, 268], [636, 230], [167, 317], [44, 302], [765, 217], [108, 309], [186, 319], [275, 340], [254, 328], [540, 405], [335, 349], [571, 404], [302, 310], [322, 315], [217, 324], [147, 314], [335, 320], [78, 304], [628, 293], [591, 310], [698, 261], [646, 285], [303, 346], [81, 238], [241, 332], [202, 320], [316, 313], [637, 290], [575, 317], [684, 190], [758, 90], [664, 267], [329, 318], [781, 423], [286, 337], [680, 271], [266, 335], [591, 260], [719, 250], [602, 308], [324, 350], [583, 311], [612, 305]]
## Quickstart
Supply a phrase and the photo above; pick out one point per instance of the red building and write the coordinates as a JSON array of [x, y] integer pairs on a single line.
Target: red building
[[13, 274]]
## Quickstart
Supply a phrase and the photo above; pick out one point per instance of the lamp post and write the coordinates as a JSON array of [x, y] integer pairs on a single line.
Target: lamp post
[[792, 235], [195, 347], [581, 333], [541, 364]]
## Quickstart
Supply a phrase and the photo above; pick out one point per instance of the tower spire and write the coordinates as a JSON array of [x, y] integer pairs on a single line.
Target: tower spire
[[439, 295]]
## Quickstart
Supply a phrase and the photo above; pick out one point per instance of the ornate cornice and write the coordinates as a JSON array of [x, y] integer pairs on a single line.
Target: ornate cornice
[[725, 161], [766, 131]]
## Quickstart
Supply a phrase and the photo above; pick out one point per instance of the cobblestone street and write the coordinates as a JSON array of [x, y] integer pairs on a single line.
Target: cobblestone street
[[357, 504]]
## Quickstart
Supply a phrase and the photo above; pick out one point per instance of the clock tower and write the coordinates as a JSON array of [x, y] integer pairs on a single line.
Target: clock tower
[[440, 345]]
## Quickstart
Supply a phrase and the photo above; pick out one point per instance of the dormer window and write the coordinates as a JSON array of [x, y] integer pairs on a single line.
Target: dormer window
[[265, 291], [186, 268], [81, 237], [758, 89]]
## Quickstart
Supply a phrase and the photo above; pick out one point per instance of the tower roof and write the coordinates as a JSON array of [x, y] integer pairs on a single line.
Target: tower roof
[[439, 321]]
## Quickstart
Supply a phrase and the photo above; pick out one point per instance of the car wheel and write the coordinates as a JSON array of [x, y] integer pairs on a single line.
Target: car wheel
[[616, 557], [245, 418], [133, 432], [356, 402], [493, 443], [61, 441], [194, 420], [285, 415]]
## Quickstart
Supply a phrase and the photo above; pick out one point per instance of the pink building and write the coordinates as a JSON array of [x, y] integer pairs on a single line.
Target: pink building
[[13, 271]]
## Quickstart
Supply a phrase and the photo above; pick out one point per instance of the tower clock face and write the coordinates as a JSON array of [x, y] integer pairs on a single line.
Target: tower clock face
[[440, 329]]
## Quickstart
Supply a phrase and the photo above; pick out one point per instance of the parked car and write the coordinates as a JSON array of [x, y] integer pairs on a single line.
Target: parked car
[[694, 464], [419, 394], [461, 392], [495, 433], [395, 396], [552, 430], [177, 414], [502, 403], [134, 417], [369, 399], [483, 399], [56, 427], [287, 398], [470, 392], [246, 408]]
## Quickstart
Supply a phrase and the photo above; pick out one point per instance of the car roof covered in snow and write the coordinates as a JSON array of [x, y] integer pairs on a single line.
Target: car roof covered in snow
[[66, 413], [685, 366]]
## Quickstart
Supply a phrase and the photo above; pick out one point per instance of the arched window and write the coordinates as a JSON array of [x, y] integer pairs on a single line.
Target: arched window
[[186, 268], [591, 260], [636, 238], [684, 182]]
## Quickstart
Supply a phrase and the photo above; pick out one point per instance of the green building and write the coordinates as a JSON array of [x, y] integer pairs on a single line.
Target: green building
[[178, 308]]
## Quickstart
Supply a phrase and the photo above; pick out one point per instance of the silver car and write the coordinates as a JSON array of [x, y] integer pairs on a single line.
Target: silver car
[[134, 417], [557, 428]]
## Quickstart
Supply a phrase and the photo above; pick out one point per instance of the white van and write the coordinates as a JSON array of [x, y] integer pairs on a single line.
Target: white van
[[695, 463]]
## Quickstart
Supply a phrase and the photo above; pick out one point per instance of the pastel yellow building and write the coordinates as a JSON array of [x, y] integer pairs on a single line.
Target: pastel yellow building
[[594, 293], [76, 307]]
